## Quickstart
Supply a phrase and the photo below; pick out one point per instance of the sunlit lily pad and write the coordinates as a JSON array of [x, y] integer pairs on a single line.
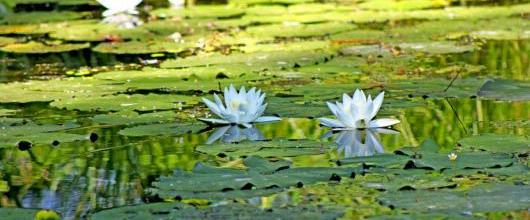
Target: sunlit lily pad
[[138, 47], [402, 5], [228, 211], [176, 128], [274, 148], [132, 117], [42, 17], [96, 31], [299, 30], [202, 11], [40, 48], [497, 143], [505, 90], [255, 61], [261, 177], [7, 40], [151, 102], [439, 47]]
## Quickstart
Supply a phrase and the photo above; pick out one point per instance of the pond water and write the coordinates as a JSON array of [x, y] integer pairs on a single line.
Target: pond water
[[97, 128]]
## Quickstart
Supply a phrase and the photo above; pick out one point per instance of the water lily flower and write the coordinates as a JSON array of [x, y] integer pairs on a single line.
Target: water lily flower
[[356, 112], [121, 12], [233, 133], [243, 108], [177, 4], [452, 156]]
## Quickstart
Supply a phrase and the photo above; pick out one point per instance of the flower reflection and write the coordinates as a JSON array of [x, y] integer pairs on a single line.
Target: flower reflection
[[234, 133], [359, 143]]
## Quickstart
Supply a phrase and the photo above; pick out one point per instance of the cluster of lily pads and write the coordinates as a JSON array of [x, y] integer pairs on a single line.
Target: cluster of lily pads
[[106, 137]]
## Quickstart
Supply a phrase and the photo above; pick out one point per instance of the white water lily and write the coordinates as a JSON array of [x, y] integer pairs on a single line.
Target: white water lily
[[357, 111], [121, 12], [177, 4], [243, 108]]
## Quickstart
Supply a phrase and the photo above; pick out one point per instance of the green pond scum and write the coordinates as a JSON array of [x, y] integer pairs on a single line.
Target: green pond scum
[[102, 111]]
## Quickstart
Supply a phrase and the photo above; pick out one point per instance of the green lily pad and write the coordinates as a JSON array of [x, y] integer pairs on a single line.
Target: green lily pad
[[497, 143], [132, 117], [439, 47], [274, 148], [485, 198], [501, 35], [229, 211], [7, 40], [291, 46], [300, 30], [13, 132], [40, 48], [287, 108], [253, 2], [436, 87], [143, 103], [17, 213], [505, 90], [402, 5], [255, 61], [262, 177], [42, 17], [162, 129], [91, 30], [201, 11], [142, 47]]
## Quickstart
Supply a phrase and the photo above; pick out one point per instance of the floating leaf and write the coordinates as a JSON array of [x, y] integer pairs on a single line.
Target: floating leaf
[[229, 211], [17, 213], [40, 48], [505, 90], [138, 47], [132, 117], [497, 143], [162, 129], [262, 177], [484, 198], [274, 148], [144, 103], [299, 30]]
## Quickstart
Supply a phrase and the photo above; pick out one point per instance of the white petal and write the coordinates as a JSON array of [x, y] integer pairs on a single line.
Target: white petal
[[330, 123], [373, 142], [383, 122], [384, 131], [267, 119], [378, 101], [212, 106], [359, 99]]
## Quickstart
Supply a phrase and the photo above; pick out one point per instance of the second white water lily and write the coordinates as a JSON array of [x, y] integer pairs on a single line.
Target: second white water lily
[[121, 12], [357, 111], [239, 107]]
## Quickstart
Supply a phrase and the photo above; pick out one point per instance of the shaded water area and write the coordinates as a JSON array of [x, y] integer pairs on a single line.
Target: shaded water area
[[89, 130]]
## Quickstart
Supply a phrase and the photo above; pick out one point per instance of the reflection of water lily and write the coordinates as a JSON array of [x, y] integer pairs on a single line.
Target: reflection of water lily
[[241, 107], [233, 133], [351, 144], [121, 12], [357, 111]]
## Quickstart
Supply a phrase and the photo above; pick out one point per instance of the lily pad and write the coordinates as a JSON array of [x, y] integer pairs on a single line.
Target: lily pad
[[132, 117], [255, 61], [7, 40], [229, 211], [17, 213], [485, 198], [42, 17], [497, 143], [138, 47], [40, 48], [262, 177], [505, 90], [274, 148], [299, 30], [162, 129], [143, 103], [14, 132], [439, 47], [201, 11], [91, 30]]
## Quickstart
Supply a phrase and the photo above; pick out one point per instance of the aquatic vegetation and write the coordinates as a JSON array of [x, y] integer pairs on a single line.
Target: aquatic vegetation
[[242, 108], [357, 111], [103, 122]]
